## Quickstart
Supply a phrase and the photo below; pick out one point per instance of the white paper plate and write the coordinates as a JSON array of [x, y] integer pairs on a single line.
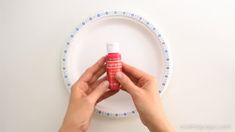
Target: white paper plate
[[141, 46]]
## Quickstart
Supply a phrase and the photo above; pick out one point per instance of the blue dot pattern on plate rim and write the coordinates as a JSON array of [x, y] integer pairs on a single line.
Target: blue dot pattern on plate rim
[[100, 15]]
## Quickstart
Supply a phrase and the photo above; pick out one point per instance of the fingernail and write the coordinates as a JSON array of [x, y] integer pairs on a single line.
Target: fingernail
[[119, 75]]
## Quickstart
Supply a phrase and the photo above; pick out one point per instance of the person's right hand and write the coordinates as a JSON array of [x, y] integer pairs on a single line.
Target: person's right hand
[[143, 89]]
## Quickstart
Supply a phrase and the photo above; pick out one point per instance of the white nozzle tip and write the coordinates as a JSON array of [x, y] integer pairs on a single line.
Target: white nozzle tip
[[113, 47]]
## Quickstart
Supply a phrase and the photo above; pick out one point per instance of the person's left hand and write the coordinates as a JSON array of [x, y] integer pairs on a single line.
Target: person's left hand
[[85, 94]]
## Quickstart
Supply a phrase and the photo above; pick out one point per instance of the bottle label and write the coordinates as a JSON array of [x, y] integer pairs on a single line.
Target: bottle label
[[113, 65]]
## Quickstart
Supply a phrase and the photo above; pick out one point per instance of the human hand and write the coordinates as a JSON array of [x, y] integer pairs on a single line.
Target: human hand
[[143, 89], [85, 94]]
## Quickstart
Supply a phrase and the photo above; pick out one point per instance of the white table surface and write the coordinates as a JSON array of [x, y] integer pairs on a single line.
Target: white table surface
[[201, 33]]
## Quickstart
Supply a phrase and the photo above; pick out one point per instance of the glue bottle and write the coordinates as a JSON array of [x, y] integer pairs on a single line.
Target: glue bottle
[[113, 64]]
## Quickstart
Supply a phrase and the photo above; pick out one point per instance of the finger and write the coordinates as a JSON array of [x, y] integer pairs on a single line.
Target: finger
[[133, 79], [107, 94], [134, 72], [92, 70], [98, 74], [80, 85], [126, 83], [99, 91], [96, 83]]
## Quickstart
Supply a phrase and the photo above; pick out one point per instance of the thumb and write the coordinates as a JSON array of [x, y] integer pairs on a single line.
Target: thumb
[[99, 91], [126, 83]]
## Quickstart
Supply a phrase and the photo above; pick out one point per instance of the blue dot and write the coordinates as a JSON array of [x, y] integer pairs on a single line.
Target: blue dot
[[163, 42], [132, 14], [115, 12], [140, 18], [65, 76], [154, 28], [90, 18], [166, 51], [71, 35], [77, 29], [83, 23], [166, 76], [65, 51], [147, 22], [106, 13], [163, 84], [98, 15], [67, 43], [124, 114], [159, 35], [167, 59]]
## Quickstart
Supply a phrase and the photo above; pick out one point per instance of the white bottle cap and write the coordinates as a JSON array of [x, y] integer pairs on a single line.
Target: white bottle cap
[[113, 47]]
